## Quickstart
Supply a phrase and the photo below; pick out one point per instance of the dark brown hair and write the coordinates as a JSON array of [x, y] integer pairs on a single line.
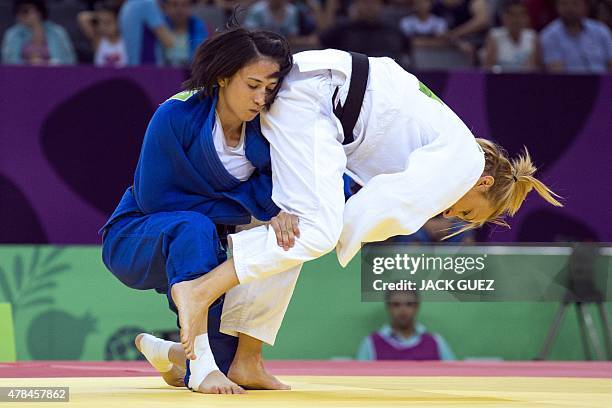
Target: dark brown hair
[[229, 51]]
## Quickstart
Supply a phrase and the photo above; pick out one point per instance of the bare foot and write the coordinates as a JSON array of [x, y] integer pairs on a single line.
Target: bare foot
[[192, 314], [250, 373], [174, 377], [217, 383]]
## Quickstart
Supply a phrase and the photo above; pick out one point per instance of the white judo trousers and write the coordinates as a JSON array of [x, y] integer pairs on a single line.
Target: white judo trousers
[[308, 163], [412, 154]]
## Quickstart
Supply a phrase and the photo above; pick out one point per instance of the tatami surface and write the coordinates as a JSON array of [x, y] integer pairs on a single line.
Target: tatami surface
[[139, 389]]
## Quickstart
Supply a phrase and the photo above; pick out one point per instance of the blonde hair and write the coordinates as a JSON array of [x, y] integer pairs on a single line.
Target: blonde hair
[[514, 179]]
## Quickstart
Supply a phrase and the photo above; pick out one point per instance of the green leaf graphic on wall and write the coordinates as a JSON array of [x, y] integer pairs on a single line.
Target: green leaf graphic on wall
[[32, 279], [29, 287]]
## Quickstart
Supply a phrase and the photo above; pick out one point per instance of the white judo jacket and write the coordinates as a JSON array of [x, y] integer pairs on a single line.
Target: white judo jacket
[[412, 154]]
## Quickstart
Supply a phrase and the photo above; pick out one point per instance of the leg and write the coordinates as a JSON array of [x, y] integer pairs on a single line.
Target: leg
[[248, 369], [164, 356], [254, 312], [257, 308], [164, 249], [168, 358], [193, 299]]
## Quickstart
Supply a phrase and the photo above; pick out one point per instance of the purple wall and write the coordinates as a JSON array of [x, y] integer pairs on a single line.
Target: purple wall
[[70, 139]]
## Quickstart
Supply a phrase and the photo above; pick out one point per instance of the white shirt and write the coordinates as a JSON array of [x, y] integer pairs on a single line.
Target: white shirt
[[110, 54], [414, 26], [512, 56], [233, 158]]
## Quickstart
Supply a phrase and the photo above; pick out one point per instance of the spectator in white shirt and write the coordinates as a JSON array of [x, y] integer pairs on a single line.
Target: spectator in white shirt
[[423, 23], [514, 46]]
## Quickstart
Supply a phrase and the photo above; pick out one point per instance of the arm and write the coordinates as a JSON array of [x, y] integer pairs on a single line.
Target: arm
[[67, 55], [154, 19], [400, 203], [366, 350], [429, 42], [164, 36], [480, 20], [446, 354], [551, 53], [11, 47], [490, 52], [535, 62]]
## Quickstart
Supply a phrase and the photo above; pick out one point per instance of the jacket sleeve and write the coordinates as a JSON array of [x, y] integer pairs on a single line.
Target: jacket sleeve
[[67, 55], [11, 47], [437, 175], [261, 187]]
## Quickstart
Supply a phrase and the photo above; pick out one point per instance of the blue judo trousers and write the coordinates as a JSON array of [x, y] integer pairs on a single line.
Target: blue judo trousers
[[164, 230]]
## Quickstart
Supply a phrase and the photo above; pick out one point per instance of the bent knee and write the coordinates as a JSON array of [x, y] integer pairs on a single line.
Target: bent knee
[[192, 222], [320, 238]]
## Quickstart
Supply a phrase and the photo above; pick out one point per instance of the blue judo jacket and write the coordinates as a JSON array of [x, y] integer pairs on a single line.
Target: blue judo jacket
[[180, 170]]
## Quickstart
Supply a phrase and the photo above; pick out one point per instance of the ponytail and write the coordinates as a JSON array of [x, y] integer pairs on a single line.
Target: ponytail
[[524, 181], [514, 179]]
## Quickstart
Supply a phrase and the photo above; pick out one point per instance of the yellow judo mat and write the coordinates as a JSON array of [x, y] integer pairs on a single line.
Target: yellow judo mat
[[334, 391]]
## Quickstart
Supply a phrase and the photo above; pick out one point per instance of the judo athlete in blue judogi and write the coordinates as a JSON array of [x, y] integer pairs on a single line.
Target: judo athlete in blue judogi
[[204, 165]]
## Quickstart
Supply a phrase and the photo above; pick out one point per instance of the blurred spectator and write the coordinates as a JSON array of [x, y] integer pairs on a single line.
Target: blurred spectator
[[404, 338], [142, 26], [102, 29], [513, 47], [229, 6], [423, 23], [313, 17], [279, 16], [188, 30], [574, 43], [34, 40], [541, 13], [394, 10], [309, 15], [365, 32], [467, 21]]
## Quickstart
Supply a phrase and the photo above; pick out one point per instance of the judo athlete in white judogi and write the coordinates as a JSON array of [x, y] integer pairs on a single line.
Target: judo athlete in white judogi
[[412, 154]]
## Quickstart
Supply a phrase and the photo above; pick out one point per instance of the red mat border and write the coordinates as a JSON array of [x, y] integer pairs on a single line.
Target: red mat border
[[58, 369]]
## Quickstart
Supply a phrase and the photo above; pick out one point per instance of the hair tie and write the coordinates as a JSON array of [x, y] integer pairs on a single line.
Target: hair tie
[[514, 178]]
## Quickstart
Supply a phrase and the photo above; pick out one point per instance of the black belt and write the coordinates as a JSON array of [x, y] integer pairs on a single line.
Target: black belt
[[349, 113]]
